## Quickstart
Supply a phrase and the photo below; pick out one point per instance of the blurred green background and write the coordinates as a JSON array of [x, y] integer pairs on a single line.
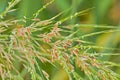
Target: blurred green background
[[104, 12]]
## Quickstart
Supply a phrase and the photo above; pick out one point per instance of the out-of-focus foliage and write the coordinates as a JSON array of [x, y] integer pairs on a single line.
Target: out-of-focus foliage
[[59, 39]]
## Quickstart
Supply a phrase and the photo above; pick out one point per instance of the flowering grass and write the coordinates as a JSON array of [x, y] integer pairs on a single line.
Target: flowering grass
[[38, 50]]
